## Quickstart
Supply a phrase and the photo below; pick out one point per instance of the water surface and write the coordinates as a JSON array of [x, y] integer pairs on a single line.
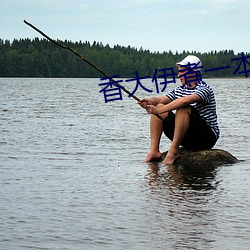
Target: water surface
[[72, 175]]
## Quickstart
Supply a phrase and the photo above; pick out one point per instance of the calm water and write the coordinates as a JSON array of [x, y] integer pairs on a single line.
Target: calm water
[[72, 176]]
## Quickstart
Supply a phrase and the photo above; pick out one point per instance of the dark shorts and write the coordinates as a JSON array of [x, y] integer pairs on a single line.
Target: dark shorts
[[199, 135]]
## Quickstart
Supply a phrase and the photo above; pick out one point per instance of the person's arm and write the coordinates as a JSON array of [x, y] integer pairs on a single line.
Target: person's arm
[[176, 104], [154, 101]]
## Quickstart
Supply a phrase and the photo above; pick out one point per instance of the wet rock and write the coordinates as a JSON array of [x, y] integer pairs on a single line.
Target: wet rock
[[204, 157]]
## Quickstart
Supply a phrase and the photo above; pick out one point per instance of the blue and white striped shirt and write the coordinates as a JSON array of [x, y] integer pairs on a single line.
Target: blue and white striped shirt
[[206, 108]]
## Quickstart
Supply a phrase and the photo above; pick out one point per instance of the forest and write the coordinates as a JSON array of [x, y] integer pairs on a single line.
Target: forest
[[41, 58]]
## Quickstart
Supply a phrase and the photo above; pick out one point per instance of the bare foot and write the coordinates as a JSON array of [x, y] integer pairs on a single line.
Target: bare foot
[[153, 156], [170, 157]]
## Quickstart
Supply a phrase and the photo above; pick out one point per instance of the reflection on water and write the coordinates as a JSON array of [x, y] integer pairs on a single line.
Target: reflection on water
[[184, 194], [62, 188], [189, 177]]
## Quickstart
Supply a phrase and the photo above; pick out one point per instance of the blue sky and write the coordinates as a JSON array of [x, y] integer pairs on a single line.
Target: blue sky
[[157, 25]]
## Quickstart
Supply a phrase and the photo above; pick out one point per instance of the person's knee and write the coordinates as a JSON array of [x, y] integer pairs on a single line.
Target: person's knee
[[159, 105], [184, 110], [163, 115]]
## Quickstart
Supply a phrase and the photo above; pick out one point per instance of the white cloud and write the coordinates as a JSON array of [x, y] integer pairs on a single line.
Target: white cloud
[[84, 6], [221, 2], [149, 2]]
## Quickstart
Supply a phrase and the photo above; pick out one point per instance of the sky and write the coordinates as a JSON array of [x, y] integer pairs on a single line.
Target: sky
[[155, 25]]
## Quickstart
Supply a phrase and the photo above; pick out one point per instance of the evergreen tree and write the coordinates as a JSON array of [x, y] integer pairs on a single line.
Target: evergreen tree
[[41, 58]]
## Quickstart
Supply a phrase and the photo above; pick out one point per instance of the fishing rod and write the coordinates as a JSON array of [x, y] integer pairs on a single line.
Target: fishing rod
[[86, 60]]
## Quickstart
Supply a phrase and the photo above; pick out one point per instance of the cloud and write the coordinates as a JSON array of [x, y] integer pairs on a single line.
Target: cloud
[[225, 4], [149, 2], [84, 6]]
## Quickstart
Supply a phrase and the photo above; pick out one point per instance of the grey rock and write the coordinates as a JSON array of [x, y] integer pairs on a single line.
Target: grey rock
[[204, 157]]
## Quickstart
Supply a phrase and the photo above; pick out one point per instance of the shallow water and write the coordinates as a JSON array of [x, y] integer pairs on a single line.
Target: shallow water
[[72, 175]]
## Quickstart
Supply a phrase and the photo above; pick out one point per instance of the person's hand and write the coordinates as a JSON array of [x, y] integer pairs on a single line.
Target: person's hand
[[151, 109], [144, 102]]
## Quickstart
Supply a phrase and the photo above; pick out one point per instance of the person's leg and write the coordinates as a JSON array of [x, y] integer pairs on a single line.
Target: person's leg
[[199, 135], [181, 127], [156, 127]]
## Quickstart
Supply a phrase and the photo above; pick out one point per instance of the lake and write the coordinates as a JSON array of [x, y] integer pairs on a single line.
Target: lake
[[72, 173]]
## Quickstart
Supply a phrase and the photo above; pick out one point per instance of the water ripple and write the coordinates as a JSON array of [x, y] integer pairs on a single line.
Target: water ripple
[[72, 175]]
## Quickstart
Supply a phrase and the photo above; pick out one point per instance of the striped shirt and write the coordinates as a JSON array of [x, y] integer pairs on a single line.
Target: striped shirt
[[206, 108]]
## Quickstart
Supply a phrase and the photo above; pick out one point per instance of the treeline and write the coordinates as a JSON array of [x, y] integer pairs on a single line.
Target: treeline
[[41, 58]]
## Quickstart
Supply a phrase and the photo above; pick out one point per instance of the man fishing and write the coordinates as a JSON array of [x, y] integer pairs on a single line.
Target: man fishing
[[194, 124]]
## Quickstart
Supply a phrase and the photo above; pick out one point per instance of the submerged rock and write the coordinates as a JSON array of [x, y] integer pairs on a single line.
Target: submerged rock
[[204, 157]]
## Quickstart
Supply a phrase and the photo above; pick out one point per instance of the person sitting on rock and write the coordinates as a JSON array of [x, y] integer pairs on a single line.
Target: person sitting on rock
[[194, 124]]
